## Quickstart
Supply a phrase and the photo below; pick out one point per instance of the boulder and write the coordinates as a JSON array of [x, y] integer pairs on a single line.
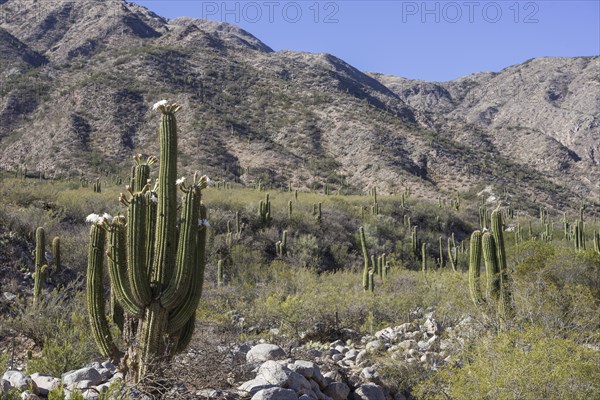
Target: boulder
[[45, 383], [254, 385], [275, 393], [337, 390], [369, 391], [264, 352], [83, 374]]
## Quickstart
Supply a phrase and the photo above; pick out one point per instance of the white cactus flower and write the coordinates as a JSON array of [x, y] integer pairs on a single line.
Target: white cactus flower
[[93, 218], [107, 217], [180, 181], [160, 103], [153, 198]]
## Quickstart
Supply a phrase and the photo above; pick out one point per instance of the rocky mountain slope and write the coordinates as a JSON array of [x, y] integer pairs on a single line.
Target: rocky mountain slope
[[78, 80]]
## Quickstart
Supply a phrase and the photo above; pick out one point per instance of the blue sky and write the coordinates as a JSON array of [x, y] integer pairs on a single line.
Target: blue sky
[[429, 40]]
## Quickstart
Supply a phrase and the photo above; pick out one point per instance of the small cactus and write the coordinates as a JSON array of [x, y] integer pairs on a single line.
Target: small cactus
[[365, 251], [41, 267], [281, 246], [56, 253], [220, 273]]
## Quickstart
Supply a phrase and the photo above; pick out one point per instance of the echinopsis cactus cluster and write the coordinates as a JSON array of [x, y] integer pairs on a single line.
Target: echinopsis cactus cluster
[[491, 244], [155, 259]]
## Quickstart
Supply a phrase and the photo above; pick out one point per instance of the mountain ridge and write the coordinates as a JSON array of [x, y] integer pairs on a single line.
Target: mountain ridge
[[288, 116]]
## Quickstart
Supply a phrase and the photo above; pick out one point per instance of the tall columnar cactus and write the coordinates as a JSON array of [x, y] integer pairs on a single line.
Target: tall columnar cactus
[[492, 269], [264, 210], [41, 268], [97, 186], [504, 300], [56, 253], [441, 250], [597, 242], [156, 274], [424, 257], [371, 281], [474, 267], [565, 227], [365, 251], [414, 242], [452, 253], [290, 209], [579, 235], [220, 273], [281, 245], [319, 213]]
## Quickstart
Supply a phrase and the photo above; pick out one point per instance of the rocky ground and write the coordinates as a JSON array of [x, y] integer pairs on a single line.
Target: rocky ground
[[335, 371]]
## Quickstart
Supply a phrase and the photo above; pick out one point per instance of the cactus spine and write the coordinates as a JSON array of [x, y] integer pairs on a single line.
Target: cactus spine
[[156, 276]]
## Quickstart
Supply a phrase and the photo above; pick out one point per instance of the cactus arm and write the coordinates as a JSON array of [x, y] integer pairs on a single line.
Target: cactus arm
[[166, 216], [498, 232], [136, 254], [151, 204], [474, 264], [117, 269], [491, 266], [95, 290], [180, 315], [178, 286]]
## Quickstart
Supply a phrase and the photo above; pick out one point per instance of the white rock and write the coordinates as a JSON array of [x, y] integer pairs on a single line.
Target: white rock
[[105, 373], [45, 383], [275, 393], [90, 394], [254, 385], [407, 344], [360, 356], [305, 368], [337, 390], [369, 391], [109, 365], [84, 384], [264, 352], [431, 326], [369, 374], [337, 357], [83, 374], [21, 382], [374, 345], [351, 354], [27, 395]]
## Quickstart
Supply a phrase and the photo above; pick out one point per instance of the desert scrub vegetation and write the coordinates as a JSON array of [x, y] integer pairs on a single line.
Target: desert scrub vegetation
[[313, 292]]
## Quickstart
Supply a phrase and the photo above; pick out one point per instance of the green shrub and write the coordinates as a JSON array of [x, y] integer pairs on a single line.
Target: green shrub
[[68, 349], [518, 365]]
